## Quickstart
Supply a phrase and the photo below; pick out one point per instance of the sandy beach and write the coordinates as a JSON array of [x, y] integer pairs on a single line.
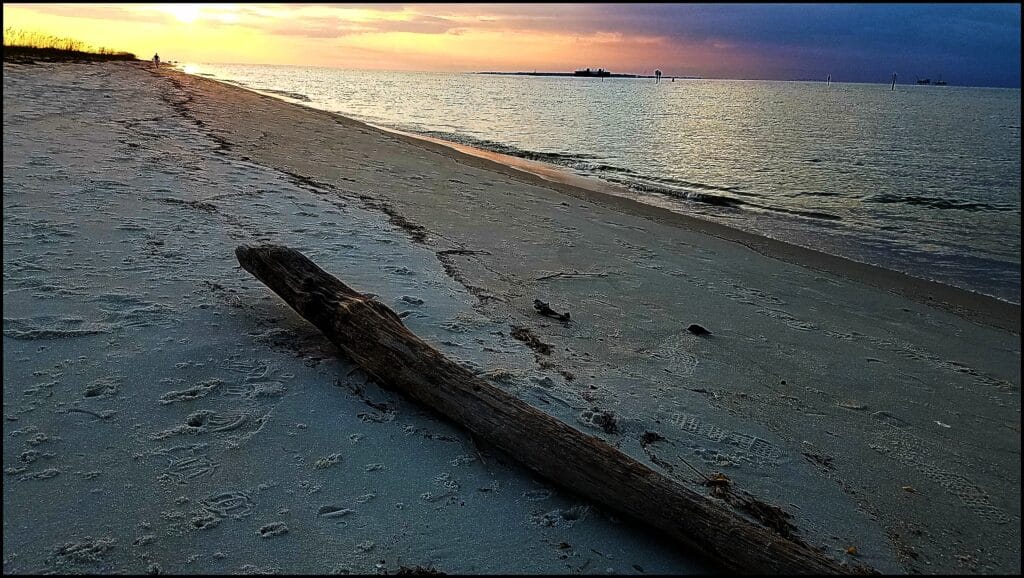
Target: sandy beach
[[165, 412]]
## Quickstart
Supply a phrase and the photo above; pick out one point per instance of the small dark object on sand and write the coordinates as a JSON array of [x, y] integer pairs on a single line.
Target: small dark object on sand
[[650, 437], [697, 330], [545, 309], [719, 484]]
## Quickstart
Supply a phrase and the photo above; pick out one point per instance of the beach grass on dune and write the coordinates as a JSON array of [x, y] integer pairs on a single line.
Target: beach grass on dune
[[29, 46]]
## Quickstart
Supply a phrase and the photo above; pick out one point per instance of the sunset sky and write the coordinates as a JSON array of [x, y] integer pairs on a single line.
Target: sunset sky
[[969, 44]]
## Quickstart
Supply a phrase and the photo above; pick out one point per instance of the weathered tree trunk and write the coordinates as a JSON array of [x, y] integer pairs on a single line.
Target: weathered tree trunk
[[373, 336]]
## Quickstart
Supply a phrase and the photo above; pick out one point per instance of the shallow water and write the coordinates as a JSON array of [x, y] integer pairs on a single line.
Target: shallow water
[[923, 179]]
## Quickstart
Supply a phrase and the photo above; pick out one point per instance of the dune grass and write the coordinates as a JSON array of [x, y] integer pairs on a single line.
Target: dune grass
[[29, 46]]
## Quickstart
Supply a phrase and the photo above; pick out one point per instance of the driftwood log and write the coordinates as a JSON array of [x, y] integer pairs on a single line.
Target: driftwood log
[[373, 336]]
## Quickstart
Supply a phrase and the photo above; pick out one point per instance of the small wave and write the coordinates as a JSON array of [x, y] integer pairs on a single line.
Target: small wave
[[565, 159], [603, 168], [695, 185], [936, 203], [803, 213], [687, 184], [719, 200], [294, 95], [695, 196]]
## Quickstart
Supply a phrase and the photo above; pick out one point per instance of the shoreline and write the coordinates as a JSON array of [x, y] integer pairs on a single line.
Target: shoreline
[[974, 306]]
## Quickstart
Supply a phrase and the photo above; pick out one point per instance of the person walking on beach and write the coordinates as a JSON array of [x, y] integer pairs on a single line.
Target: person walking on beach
[[156, 59]]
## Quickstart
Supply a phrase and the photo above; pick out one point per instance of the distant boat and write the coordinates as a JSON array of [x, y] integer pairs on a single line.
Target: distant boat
[[924, 81], [940, 82]]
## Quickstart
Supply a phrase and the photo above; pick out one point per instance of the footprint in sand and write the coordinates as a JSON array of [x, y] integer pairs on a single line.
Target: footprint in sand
[[744, 446], [232, 504], [89, 551], [203, 421], [186, 463], [895, 440], [197, 391], [272, 529], [106, 386]]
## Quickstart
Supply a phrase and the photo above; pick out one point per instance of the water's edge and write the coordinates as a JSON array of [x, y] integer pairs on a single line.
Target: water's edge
[[971, 304]]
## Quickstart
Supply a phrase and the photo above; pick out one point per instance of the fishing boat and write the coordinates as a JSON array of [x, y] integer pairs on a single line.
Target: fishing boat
[[924, 81]]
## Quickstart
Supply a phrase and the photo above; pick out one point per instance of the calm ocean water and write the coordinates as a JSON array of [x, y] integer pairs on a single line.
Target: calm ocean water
[[924, 179]]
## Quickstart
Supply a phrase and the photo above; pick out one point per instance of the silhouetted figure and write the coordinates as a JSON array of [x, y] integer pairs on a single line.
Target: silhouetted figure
[[156, 60], [657, 76]]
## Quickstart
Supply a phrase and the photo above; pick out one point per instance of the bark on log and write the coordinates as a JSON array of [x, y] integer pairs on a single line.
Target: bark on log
[[373, 336]]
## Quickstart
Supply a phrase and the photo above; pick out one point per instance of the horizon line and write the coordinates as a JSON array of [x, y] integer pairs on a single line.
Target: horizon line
[[887, 81]]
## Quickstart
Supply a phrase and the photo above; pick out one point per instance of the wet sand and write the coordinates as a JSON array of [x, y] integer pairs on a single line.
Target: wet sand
[[191, 422]]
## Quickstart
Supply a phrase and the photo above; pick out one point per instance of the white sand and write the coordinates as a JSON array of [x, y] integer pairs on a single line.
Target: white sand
[[164, 409]]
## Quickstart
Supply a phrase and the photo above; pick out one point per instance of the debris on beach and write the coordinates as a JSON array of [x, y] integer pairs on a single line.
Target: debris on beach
[[526, 336], [650, 437], [719, 484], [771, 516], [697, 330], [545, 309]]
